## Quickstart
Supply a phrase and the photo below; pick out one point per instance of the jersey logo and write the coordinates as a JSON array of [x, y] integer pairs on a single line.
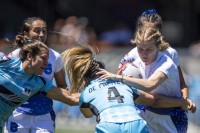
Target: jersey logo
[[48, 69], [13, 127], [26, 92]]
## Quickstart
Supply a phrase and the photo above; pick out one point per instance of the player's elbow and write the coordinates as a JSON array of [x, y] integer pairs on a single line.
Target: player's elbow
[[150, 86]]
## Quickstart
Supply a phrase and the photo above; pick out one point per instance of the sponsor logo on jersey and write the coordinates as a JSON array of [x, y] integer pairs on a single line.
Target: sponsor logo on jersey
[[48, 69], [26, 92]]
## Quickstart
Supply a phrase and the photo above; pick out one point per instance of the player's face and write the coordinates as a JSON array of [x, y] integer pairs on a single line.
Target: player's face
[[147, 52], [38, 31], [40, 61]]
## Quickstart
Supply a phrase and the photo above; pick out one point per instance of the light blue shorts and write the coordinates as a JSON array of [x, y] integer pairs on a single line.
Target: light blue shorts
[[136, 126]]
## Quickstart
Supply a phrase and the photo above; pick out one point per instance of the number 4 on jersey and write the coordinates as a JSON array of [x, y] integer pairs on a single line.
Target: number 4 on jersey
[[117, 96]]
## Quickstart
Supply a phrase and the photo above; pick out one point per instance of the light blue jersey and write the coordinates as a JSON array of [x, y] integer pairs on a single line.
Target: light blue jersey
[[111, 101], [16, 86], [40, 104]]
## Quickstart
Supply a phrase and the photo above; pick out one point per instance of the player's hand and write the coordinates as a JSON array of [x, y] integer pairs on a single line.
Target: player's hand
[[191, 106], [184, 104], [75, 97], [107, 75]]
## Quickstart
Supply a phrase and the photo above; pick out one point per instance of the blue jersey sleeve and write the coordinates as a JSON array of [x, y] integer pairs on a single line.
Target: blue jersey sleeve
[[136, 92]]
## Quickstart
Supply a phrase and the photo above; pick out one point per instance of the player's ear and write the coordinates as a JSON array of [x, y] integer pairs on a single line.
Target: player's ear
[[29, 57], [26, 35]]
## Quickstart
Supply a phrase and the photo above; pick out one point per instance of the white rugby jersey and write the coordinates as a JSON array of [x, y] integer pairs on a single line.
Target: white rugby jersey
[[171, 86]]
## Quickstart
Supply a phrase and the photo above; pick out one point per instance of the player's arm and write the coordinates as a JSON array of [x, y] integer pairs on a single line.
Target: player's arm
[[63, 95], [148, 85], [184, 88], [160, 101], [60, 79], [184, 91], [145, 85]]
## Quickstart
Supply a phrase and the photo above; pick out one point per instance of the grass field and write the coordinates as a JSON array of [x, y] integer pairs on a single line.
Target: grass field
[[73, 131], [82, 125]]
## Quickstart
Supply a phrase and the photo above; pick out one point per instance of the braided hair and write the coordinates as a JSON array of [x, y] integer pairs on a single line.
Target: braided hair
[[151, 19], [151, 35]]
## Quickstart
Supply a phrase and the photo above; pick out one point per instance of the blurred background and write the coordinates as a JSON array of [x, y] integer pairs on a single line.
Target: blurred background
[[108, 25], [181, 17]]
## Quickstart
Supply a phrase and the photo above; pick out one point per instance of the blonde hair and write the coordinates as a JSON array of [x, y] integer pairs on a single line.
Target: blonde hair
[[150, 35], [153, 18], [77, 62]]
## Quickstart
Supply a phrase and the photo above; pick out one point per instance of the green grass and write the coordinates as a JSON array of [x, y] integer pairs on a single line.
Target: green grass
[[73, 131], [75, 127], [81, 125]]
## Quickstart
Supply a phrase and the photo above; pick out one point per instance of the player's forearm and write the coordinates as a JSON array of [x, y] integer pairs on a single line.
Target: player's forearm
[[184, 87], [64, 96], [142, 84], [70, 99], [184, 92], [167, 102]]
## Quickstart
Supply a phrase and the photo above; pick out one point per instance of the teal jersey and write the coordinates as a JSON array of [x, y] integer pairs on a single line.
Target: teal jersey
[[110, 101], [16, 86]]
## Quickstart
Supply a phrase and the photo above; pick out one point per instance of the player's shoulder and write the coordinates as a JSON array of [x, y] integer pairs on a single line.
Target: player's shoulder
[[166, 60], [54, 54], [133, 51], [171, 50], [15, 53], [52, 51], [16, 50]]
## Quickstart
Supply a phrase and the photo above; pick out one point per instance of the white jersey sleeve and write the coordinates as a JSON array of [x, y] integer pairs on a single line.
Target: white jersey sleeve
[[167, 67], [173, 54], [14, 54], [54, 65], [58, 61]]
